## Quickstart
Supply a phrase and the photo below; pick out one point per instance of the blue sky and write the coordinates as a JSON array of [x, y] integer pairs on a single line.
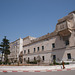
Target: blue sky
[[22, 18]]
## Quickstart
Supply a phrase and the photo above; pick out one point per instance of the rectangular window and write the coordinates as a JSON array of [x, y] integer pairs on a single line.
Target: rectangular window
[[34, 58], [37, 48], [54, 57], [34, 49], [28, 59], [28, 51], [24, 59], [67, 42], [42, 47], [43, 58], [24, 51], [53, 45], [69, 56]]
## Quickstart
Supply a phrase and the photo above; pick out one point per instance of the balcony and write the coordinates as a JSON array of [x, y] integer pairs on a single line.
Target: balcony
[[62, 28]]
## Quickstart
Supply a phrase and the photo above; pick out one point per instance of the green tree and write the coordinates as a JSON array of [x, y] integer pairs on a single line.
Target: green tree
[[5, 49], [1, 52], [38, 59]]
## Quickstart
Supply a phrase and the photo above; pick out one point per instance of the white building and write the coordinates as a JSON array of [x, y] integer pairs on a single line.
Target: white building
[[58, 45], [15, 49]]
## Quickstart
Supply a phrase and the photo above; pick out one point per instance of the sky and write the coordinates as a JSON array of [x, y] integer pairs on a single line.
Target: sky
[[22, 18]]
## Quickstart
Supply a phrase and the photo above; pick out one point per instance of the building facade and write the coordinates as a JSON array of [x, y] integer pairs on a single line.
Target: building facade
[[16, 48], [58, 45]]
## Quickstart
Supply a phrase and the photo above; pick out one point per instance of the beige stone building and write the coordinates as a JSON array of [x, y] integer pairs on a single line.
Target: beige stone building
[[58, 45], [16, 48]]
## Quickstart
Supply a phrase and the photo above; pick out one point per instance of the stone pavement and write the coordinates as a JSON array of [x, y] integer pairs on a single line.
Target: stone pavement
[[36, 68]]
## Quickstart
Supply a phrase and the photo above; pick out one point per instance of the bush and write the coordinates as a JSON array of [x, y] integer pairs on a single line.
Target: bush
[[61, 63], [32, 62], [4, 63], [0, 62], [66, 63], [55, 63], [9, 63], [58, 63], [51, 64]]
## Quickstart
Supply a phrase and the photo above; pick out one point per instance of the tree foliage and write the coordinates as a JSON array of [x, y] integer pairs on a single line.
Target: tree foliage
[[4, 48]]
